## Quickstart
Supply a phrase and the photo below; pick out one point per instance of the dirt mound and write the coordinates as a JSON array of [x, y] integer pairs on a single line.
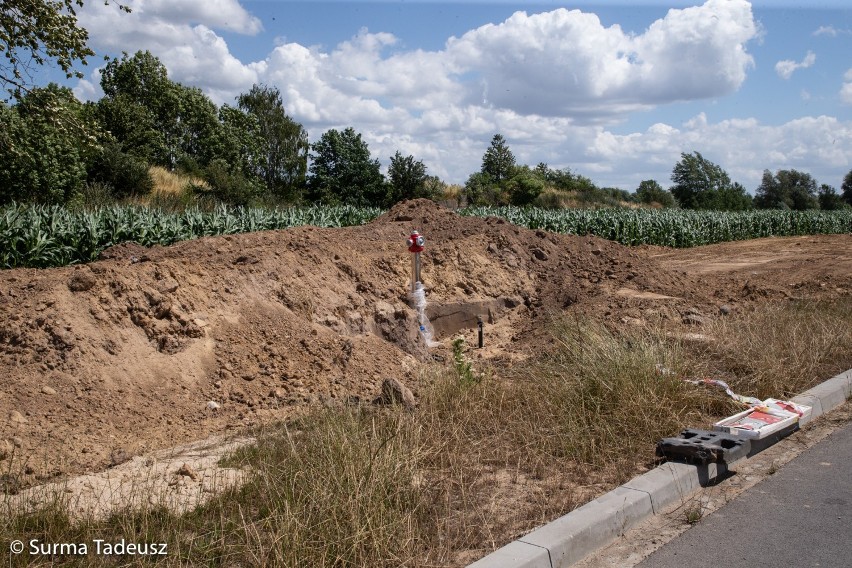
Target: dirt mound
[[149, 348]]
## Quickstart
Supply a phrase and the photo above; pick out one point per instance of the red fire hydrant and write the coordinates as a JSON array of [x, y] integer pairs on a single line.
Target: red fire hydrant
[[416, 244]]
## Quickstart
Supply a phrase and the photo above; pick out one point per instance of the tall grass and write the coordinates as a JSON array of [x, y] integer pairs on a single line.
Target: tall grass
[[171, 182], [780, 350], [340, 489], [606, 401]]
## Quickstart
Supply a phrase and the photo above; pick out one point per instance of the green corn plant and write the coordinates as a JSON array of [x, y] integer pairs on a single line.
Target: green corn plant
[[674, 228], [44, 236]]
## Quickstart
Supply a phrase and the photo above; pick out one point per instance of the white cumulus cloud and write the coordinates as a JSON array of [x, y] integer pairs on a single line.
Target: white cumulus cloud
[[846, 90], [558, 63], [831, 31], [220, 14], [563, 62], [552, 83], [743, 147], [787, 67], [181, 34]]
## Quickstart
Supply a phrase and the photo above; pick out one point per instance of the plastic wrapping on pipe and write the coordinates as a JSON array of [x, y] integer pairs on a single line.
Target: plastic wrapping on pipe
[[418, 296]]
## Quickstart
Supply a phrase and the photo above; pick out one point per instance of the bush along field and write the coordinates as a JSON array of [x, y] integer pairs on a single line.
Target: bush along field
[[45, 236]]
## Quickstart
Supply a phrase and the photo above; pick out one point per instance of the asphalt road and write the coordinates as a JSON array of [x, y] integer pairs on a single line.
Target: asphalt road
[[799, 517]]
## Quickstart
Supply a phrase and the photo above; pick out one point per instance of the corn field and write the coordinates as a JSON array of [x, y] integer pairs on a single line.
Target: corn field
[[673, 227], [46, 236]]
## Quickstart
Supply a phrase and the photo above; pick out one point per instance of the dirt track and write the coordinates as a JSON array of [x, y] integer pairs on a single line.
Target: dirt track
[[120, 357]]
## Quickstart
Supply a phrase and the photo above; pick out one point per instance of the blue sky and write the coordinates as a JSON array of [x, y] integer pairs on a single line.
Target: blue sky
[[615, 91]]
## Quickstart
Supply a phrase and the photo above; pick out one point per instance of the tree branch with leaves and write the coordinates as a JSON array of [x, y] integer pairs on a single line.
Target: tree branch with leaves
[[36, 32]]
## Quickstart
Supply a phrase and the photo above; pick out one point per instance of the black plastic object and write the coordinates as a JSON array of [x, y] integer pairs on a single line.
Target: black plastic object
[[702, 447]]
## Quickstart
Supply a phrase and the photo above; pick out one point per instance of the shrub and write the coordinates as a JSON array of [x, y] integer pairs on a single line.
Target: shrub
[[227, 185], [127, 175]]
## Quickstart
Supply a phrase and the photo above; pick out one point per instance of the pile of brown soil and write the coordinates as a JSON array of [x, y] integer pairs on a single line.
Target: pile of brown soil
[[150, 348]]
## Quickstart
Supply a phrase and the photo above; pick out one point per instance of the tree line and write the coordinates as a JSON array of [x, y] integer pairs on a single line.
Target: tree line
[[697, 182], [52, 146], [55, 149]]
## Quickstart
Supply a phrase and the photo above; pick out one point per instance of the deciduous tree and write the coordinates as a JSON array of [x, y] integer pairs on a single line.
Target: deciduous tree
[[153, 117], [342, 171], [477, 189], [238, 148], [524, 186], [41, 159], [701, 184], [846, 188], [283, 142], [37, 32], [407, 178], [650, 191], [829, 199], [787, 189]]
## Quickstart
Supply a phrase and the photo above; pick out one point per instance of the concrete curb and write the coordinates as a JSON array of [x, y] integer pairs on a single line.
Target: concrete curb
[[574, 536]]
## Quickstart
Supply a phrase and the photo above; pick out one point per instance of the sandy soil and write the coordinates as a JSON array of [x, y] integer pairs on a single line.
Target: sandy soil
[[148, 349]]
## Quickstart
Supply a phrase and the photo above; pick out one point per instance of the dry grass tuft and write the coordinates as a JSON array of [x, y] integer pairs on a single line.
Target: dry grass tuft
[[174, 183], [607, 405], [338, 487], [173, 191], [782, 349]]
